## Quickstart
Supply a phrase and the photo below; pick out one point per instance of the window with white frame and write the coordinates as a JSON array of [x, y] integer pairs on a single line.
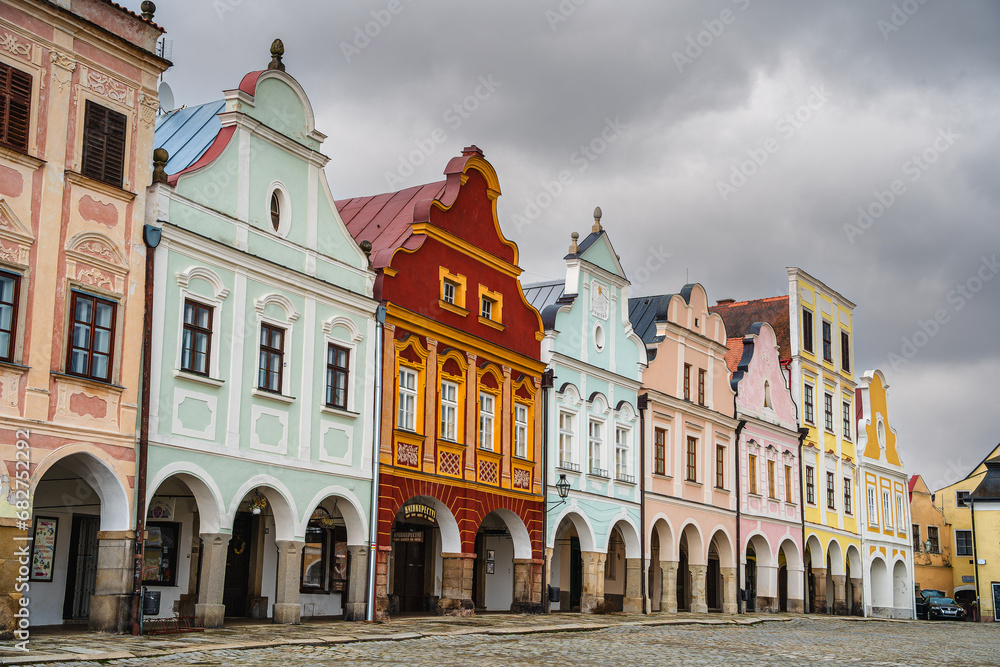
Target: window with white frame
[[594, 448], [449, 410], [486, 420], [847, 421], [887, 509], [448, 291], [565, 439], [622, 453], [872, 507], [900, 523], [520, 430], [407, 400]]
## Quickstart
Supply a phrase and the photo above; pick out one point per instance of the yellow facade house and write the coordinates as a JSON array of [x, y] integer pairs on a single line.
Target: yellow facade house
[[932, 540]]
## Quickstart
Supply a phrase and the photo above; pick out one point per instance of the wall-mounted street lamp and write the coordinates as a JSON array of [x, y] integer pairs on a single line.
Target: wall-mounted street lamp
[[562, 488], [927, 546]]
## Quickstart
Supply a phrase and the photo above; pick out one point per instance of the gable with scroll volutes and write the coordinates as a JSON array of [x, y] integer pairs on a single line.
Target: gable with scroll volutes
[[762, 360], [281, 104], [472, 217]]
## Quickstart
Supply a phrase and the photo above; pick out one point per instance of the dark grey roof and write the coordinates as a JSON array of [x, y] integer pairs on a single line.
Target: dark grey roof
[[187, 133], [989, 488], [544, 294], [584, 244], [644, 312]]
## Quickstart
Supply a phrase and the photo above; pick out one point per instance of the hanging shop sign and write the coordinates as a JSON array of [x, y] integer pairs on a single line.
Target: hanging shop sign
[[419, 511]]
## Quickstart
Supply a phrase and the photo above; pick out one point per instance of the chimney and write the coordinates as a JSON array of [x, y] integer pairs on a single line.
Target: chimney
[[725, 302], [469, 151]]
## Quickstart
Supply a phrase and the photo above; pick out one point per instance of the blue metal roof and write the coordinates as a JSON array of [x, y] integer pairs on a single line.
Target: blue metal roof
[[186, 133], [544, 294]]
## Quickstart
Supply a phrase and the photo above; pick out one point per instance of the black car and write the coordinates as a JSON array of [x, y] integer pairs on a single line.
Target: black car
[[922, 597], [943, 609]]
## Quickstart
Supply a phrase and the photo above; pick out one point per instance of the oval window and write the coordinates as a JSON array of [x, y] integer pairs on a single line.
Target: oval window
[[275, 210], [599, 337]]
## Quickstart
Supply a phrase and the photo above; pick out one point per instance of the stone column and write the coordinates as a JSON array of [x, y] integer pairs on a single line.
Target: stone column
[[699, 583], [632, 604], [857, 597], [357, 584], [796, 599], [729, 593], [456, 585], [668, 589], [382, 584], [111, 603], [215, 549], [839, 594], [593, 581], [527, 582], [287, 610], [817, 604], [546, 603], [10, 570]]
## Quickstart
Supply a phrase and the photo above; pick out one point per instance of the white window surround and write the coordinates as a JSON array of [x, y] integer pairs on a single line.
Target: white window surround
[[566, 454], [487, 421], [287, 340], [184, 293], [595, 462], [351, 345], [599, 337], [406, 394], [520, 430], [623, 450], [284, 206], [449, 410], [887, 508]]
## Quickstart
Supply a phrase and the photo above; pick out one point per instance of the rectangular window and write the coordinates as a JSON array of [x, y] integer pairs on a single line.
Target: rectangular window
[[810, 485], [622, 454], [831, 491], [788, 485], [752, 473], [873, 519], [828, 411], [847, 420], [692, 459], [92, 335], [103, 144], [808, 404], [887, 509], [848, 501], [565, 439], [324, 557], [827, 341], [449, 411], [407, 400], [520, 430], [15, 105], [10, 287], [338, 370], [701, 386], [196, 343], [448, 291], [594, 449], [807, 330], [845, 351], [660, 451], [772, 484], [932, 537], [271, 363], [687, 382], [963, 542], [961, 499], [486, 415], [915, 533], [720, 467], [486, 310], [900, 523]]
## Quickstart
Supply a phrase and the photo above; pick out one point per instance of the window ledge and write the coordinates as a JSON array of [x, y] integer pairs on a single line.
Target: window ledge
[[720, 489], [522, 459], [194, 377], [625, 479], [568, 466], [491, 323], [13, 366], [452, 308], [662, 475], [21, 158], [754, 495], [90, 382], [280, 398], [692, 482], [449, 443], [331, 410], [76, 178], [598, 472]]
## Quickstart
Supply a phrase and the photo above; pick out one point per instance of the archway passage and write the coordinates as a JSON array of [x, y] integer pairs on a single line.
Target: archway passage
[[902, 595], [493, 573], [881, 590], [416, 560], [334, 567], [615, 572], [790, 578], [172, 547], [750, 579], [566, 574]]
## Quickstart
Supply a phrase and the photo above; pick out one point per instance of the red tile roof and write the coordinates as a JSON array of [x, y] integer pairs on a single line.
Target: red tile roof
[[734, 355], [912, 483], [739, 316]]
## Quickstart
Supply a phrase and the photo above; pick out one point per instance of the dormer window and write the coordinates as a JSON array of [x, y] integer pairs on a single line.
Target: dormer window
[[275, 210]]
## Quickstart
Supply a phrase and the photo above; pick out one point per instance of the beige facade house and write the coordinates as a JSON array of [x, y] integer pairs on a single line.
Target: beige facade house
[[931, 535]]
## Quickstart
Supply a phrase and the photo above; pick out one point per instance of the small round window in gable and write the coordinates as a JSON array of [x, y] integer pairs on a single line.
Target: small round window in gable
[[599, 337], [275, 210]]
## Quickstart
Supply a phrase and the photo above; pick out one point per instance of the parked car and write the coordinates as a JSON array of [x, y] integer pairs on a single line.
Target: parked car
[[923, 596], [944, 609]]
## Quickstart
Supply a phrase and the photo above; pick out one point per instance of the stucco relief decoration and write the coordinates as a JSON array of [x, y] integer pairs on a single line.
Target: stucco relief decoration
[[99, 250], [149, 105], [102, 84], [599, 300], [62, 69], [10, 253], [407, 454], [96, 277], [488, 472], [451, 463], [522, 479], [8, 388], [9, 43]]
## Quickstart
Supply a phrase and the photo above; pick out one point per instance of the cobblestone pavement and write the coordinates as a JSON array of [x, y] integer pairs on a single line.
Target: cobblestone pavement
[[600, 641]]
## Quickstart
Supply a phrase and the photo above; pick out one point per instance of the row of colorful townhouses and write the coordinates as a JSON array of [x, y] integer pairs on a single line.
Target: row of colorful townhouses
[[225, 393]]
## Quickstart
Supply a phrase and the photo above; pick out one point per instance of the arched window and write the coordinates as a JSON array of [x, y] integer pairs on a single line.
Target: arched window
[[275, 210]]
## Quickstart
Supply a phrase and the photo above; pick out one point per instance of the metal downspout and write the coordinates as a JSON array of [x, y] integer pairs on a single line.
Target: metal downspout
[[376, 447]]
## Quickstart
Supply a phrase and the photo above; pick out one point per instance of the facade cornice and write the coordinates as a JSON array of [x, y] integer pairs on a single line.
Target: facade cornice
[[256, 128], [594, 371], [691, 409]]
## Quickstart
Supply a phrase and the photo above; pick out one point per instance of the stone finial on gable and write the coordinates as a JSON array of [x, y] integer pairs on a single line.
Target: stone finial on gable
[[148, 9], [573, 246], [597, 220], [277, 50], [160, 158]]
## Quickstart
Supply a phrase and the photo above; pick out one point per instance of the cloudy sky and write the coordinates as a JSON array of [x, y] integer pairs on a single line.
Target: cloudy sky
[[724, 140]]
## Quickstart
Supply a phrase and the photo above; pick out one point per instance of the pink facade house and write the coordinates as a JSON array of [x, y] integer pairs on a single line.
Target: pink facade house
[[690, 434], [769, 479]]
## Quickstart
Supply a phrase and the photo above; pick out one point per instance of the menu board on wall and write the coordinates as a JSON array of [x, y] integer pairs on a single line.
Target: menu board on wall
[[43, 548]]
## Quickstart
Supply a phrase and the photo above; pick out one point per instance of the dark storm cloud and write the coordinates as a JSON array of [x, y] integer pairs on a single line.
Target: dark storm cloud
[[696, 90]]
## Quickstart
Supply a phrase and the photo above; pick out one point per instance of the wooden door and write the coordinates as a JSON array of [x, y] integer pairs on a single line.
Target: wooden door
[[81, 578], [237, 584]]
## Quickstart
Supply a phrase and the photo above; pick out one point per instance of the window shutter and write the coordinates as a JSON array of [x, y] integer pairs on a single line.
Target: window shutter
[[15, 107], [103, 144]]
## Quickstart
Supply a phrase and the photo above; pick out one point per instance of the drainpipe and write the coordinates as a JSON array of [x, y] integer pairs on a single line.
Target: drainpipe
[[739, 515], [803, 432], [547, 384], [376, 447], [151, 237], [975, 558], [642, 403]]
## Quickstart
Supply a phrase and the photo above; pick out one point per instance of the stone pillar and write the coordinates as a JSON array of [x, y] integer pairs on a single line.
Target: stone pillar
[[287, 610], [111, 603], [632, 604], [546, 603], [215, 549], [857, 597], [699, 583], [796, 595], [817, 604], [593, 581], [839, 594], [527, 584], [729, 593], [456, 585], [668, 589], [10, 570], [382, 584], [357, 584]]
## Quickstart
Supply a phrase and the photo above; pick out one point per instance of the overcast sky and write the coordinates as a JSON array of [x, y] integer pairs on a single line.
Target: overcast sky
[[723, 140]]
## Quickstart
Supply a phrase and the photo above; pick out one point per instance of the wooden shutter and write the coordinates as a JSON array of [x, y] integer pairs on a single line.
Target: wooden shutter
[[103, 144], [15, 107]]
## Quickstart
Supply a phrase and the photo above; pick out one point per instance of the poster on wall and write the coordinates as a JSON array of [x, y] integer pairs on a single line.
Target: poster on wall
[[43, 548]]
